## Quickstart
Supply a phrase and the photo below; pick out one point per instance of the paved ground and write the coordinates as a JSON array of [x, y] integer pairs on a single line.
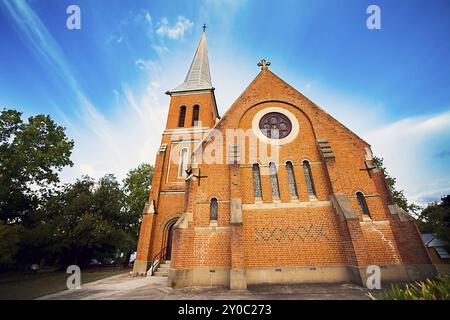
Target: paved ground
[[124, 287]]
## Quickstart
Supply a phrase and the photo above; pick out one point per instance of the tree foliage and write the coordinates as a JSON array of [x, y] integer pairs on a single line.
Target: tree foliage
[[82, 221], [398, 196], [9, 244], [435, 218], [44, 222], [31, 155], [136, 188]]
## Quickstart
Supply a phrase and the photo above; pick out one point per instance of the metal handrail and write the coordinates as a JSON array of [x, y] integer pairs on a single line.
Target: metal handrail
[[161, 255]]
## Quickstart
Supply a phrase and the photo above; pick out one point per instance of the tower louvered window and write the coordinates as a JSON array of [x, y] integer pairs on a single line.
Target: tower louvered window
[[309, 178], [274, 180], [256, 181], [195, 116], [291, 179], [182, 117]]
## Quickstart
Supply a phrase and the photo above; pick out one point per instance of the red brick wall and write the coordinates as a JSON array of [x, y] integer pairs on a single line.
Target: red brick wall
[[285, 236], [292, 237]]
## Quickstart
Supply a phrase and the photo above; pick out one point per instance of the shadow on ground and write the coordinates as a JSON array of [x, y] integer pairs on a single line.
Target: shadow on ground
[[124, 287]]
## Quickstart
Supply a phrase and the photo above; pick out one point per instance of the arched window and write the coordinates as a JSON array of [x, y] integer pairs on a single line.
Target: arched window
[[274, 180], [256, 181], [291, 179], [195, 116], [182, 116], [183, 162], [213, 208], [309, 179], [362, 204]]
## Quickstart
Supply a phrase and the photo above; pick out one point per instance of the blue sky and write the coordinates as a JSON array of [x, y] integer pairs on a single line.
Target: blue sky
[[106, 82]]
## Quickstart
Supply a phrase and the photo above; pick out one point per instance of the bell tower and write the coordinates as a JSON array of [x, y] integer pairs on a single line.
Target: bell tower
[[192, 114], [193, 104]]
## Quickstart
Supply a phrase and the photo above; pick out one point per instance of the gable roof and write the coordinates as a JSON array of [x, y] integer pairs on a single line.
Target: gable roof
[[267, 72]]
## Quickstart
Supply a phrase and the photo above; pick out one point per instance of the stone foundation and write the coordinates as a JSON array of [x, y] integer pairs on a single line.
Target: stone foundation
[[238, 279], [140, 267]]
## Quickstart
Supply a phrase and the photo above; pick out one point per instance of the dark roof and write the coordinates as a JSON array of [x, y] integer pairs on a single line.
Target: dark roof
[[431, 240]]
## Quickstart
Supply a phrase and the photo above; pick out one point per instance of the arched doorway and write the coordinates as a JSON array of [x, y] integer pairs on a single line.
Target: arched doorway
[[169, 239]]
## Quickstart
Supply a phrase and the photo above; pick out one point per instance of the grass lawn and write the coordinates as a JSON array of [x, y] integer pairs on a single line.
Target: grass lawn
[[29, 286]]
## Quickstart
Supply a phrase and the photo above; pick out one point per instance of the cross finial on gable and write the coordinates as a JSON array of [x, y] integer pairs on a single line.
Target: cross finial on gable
[[204, 27], [264, 64]]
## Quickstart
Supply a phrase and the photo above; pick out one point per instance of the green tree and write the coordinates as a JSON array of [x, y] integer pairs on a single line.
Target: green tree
[[136, 189], [397, 195], [435, 218], [79, 222], [9, 244], [31, 155]]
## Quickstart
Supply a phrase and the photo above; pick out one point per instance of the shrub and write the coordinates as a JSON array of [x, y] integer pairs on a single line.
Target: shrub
[[438, 289]]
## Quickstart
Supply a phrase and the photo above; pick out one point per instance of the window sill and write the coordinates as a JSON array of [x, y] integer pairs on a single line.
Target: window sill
[[213, 223]]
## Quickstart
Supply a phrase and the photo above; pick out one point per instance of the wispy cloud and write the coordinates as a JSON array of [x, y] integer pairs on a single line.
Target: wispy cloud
[[102, 145], [408, 147], [39, 39], [177, 31], [140, 18], [160, 50]]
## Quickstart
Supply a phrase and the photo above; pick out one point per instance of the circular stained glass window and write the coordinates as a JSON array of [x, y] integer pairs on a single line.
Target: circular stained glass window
[[275, 125]]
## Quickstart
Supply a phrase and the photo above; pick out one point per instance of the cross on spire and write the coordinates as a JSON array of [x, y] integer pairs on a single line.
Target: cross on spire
[[264, 64], [204, 27]]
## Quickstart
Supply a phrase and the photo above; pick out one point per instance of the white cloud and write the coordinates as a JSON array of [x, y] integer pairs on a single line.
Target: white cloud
[[160, 50], [410, 147], [142, 64], [132, 19], [87, 170], [176, 31]]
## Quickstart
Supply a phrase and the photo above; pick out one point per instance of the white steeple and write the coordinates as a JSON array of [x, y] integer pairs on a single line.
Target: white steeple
[[198, 76]]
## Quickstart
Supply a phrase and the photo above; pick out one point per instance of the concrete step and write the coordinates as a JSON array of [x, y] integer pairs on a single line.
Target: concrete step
[[164, 266], [158, 273]]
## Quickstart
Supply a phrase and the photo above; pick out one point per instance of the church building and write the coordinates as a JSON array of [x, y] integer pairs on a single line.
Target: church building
[[274, 191]]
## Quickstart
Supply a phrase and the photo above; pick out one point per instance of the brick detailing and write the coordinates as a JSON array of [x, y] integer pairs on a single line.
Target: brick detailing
[[325, 149], [389, 249], [291, 233]]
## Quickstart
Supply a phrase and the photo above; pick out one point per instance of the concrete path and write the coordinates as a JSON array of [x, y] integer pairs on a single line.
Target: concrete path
[[124, 287]]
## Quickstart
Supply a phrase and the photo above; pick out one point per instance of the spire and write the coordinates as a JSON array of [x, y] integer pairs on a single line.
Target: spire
[[198, 76]]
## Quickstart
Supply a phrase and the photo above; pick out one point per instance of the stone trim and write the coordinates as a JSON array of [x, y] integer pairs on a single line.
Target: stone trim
[[172, 191], [402, 214], [292, 118], [282, 205], [183, 221], [343, 206], [380, 222], [212, 228]]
